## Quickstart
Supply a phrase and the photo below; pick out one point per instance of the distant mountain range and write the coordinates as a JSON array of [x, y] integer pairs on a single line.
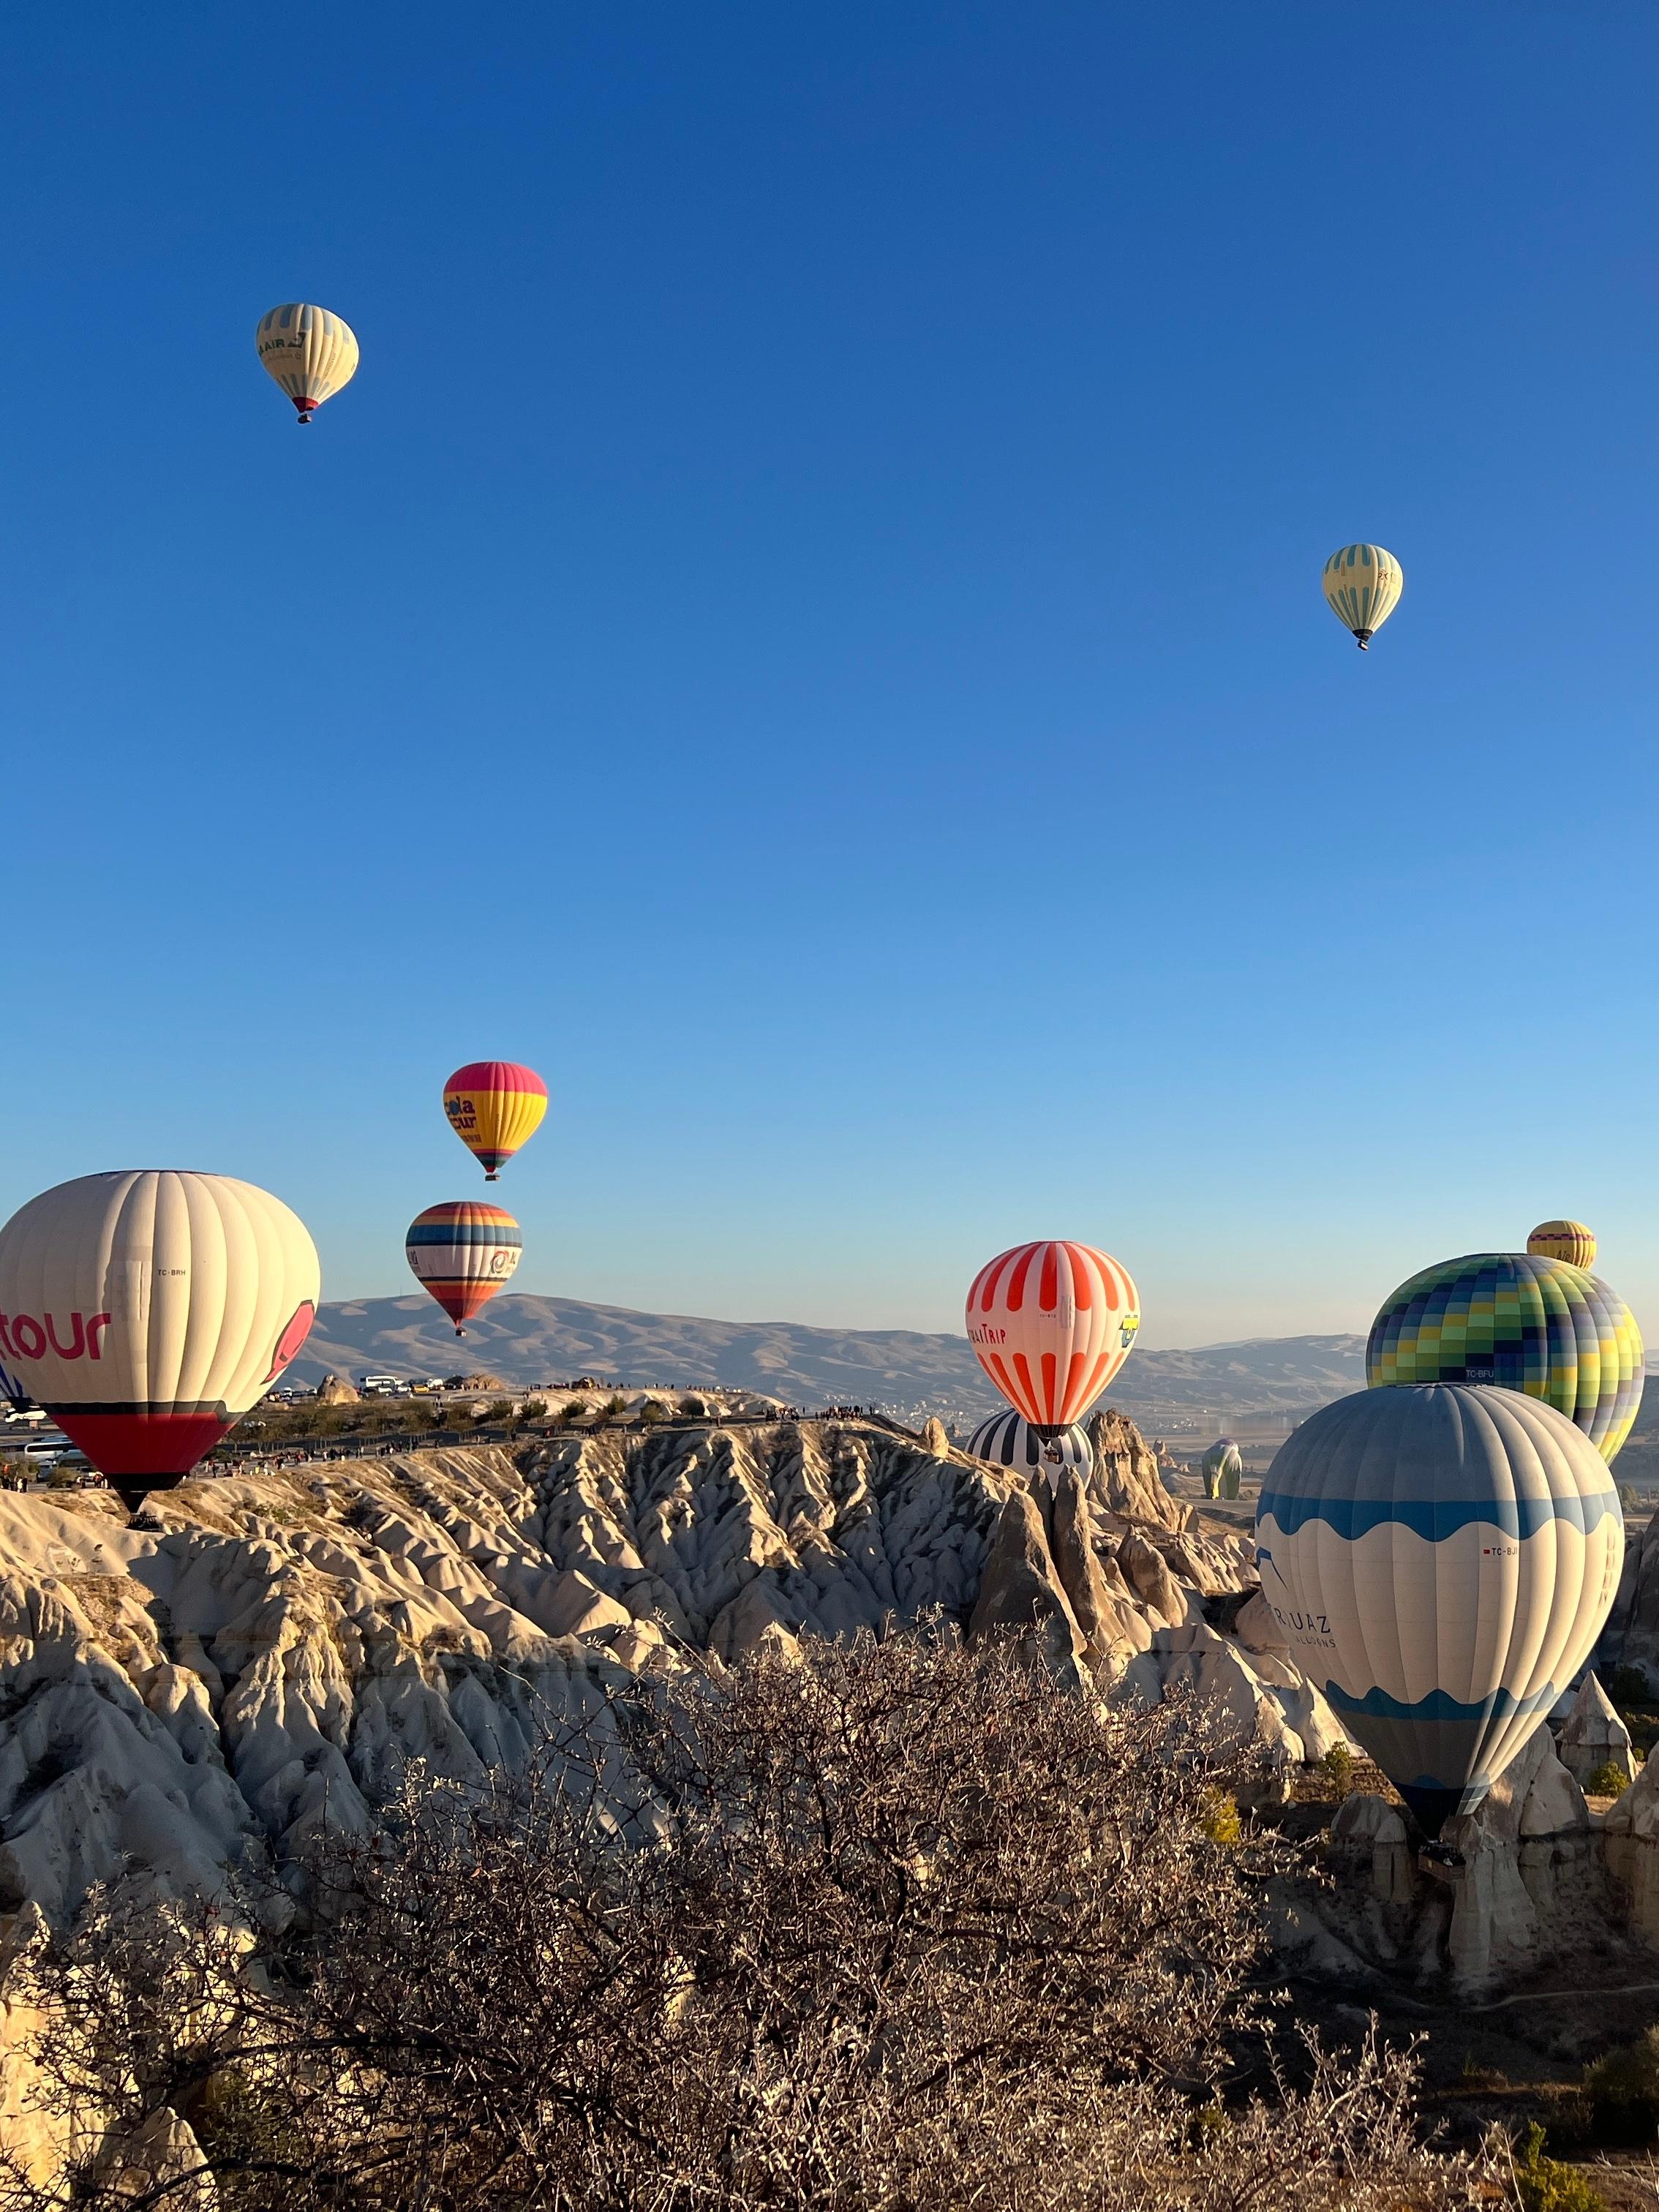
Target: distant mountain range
[[529, 1340]]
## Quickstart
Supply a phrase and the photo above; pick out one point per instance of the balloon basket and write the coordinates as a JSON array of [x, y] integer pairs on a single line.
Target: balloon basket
[[1437, 1856]]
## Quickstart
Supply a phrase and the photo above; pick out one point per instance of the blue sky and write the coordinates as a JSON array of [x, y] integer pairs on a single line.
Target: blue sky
[[806, 628]]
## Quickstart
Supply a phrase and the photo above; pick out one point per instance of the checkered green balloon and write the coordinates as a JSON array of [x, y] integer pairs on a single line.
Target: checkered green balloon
[[1525, 1323]]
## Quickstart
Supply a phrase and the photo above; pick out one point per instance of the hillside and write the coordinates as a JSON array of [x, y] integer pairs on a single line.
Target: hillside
[[527, 1339]]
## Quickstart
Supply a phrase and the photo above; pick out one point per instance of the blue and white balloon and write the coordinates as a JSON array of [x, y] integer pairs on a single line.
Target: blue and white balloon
[[1441, 1558], [1010, 1441]]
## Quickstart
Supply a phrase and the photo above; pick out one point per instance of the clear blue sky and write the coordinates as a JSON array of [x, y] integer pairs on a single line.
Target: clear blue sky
[[806, 628]]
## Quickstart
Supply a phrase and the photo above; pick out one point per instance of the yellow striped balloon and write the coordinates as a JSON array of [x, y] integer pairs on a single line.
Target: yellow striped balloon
[[1362, 584], [1563, 1240], [310, 352], [495, 1106]]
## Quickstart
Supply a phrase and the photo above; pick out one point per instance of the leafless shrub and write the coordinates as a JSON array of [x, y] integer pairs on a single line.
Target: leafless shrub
[[874, 1928]]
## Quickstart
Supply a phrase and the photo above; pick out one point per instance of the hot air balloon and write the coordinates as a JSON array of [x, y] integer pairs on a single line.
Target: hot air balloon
[[1052, 1323], [1442, 1558], [1362, 584], [1563, 1240], [149, 1309], [1010, 1441], [1524, 1323], [1222, 1468], [310, 352], [463, 1253], [495, 1106]]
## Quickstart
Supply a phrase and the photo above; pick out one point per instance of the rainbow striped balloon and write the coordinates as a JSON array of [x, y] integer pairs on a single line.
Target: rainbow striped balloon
[[463, 1253], [1525, 1323], [495, 1106]]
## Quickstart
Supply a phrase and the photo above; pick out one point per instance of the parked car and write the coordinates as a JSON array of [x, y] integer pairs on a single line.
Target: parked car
[[382, 1386]]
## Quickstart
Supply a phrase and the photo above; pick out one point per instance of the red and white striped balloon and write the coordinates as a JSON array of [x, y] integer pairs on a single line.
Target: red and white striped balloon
[[1052, 1323]]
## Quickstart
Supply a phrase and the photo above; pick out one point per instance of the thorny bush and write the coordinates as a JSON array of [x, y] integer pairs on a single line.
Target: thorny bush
[[867, 1928]]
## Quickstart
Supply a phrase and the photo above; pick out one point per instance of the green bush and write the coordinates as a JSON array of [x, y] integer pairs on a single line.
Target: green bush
[[1608, 1781], [1623, 2089], [1549, 2184], [496, 1414], [1338, 1763]]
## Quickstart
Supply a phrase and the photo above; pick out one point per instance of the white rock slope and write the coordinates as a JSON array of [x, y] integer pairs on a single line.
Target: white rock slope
[[257, 1667]]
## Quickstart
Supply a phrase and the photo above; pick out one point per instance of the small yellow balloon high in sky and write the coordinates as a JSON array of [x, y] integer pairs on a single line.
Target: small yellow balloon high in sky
[[1362, 584], [310, 352]]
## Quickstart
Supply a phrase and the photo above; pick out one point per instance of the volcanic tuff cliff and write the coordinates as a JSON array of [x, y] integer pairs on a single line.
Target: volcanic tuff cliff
[[257, 1664]]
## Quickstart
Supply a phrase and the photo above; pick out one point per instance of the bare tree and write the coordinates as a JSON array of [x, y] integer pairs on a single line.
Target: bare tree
[[863, 1929]]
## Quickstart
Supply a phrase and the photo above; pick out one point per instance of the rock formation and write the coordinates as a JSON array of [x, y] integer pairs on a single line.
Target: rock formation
[[1538, 1878], [1022, 1591], [250, 1661], [1126, 1477], [1592, 1737], [1630, 1831], [1631, 1638]]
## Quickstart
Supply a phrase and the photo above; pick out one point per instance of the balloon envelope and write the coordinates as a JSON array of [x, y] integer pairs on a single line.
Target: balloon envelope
[[1051, 1323], [463, 1253], [1362, 584], [1441, 1558], [309, 351], [1009, 1441], [1223, 1468], [147, 1309], [1525, 1323], [495, 1106], [1563, 1240]]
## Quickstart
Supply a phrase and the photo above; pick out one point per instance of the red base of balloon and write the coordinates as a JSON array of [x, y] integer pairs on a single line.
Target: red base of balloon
[[460, 1300], [128, 1447], [307, 408]]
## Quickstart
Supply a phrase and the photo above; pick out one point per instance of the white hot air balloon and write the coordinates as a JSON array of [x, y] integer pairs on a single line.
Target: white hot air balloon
[[1442, 1557], [1362, 584], [310, 351], [1010, 1441], [147, 1309]]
